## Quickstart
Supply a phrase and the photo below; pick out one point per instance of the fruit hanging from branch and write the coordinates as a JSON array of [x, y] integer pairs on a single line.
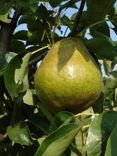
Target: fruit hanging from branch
[[68, 77]]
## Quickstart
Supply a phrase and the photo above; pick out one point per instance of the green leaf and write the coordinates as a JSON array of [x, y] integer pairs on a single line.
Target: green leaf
[[98, 9], [4, 122], [21, 35], [83, 22], [59, 119], [17, 46], [113, 75], [111, 148], [58, 141], [98, 105], [5, 11], [109, 86], [45, 112], [102, 28], [16, 74], [68, 4], [40, 123], [4, 18], [65, 20], [116, 95], [55, 4], [99, 132], [5, 7], [103, 46], [19, 133], [28, 97], [26, 19], [9, 56]]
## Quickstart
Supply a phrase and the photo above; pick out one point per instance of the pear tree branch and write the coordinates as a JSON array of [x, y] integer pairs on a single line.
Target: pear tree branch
[[77, 19]]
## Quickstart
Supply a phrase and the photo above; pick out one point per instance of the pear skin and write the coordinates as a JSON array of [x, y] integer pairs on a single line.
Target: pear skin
[[68, 77]]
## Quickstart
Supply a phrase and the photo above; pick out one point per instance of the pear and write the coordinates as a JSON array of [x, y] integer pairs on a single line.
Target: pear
[[68, 77]]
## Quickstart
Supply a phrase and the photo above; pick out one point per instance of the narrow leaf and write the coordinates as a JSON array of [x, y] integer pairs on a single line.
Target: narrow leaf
[[99, 131], [98, 9], [57, 142], [28, 97], [111, 148], [59, 119]]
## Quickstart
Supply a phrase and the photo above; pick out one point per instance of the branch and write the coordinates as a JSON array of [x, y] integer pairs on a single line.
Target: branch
[[77, 19], [37, 59]]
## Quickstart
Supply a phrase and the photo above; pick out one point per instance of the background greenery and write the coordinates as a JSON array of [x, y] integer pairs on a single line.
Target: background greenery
[[28, 128]]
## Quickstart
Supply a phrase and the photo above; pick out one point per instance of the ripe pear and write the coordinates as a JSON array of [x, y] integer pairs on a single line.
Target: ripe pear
[[68, 77]]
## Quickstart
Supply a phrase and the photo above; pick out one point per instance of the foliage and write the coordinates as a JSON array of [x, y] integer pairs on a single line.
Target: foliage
[[26, 126]]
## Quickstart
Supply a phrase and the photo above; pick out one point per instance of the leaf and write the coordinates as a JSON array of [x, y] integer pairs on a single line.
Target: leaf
[[19, 133], [28, 97], [5, 7], [103, 28], [21, 35], [83, 22], [107, 66], [45, 112], [102, 46], [26, 19], [9, 56], [99, 132], [99, 9], [16, 74], [40, 123], [111, 148], [98, 105], [4, 122], [4, 18], [58, 141], [65, 20], [59, 119], [55, 4], [68, 4], [17, 46], [113, 75]]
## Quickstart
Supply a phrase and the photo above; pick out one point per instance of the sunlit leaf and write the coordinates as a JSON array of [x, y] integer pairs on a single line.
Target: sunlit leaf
[[99, 132], [4, 18], [28, 97], [19, 133], [16, 74], [59, 119], [58, 141]]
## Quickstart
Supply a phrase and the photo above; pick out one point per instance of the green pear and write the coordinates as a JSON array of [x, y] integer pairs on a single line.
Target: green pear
[[68, 77]]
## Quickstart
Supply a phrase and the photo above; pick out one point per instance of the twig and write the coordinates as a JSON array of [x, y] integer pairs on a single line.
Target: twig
[[75, 150], [97, 23], [77, 19], [45, 47], [37, 59], [88, 114]]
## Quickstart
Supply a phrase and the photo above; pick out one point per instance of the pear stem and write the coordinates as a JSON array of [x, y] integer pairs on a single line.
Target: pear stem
[[77, 19]]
